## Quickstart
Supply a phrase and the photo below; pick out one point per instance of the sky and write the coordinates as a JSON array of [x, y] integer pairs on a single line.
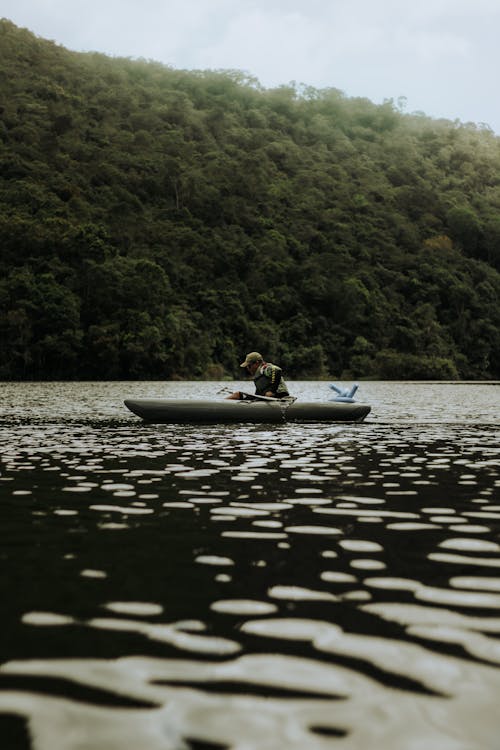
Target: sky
[[442, 56]]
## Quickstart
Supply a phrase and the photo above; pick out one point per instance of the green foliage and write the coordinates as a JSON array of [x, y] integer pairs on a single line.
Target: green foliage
[[157, 223], [391, 365]]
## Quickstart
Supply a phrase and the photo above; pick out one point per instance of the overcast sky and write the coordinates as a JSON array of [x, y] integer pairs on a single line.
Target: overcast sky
[[442, 55]]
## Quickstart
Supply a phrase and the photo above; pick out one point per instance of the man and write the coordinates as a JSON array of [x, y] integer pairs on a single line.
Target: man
[[266, 376]]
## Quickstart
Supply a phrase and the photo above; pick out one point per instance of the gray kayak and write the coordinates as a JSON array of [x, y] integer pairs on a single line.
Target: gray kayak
[[176, 411]]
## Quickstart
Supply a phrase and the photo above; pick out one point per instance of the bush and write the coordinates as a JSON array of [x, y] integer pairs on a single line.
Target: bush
[[391, 365]]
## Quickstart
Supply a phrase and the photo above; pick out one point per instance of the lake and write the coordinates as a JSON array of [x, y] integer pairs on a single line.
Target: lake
[[267, 587]]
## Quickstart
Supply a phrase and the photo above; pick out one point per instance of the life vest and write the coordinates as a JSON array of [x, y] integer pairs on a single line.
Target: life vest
[[269, 378]]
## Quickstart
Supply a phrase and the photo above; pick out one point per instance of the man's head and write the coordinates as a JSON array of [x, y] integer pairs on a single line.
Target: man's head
[[252, 362]]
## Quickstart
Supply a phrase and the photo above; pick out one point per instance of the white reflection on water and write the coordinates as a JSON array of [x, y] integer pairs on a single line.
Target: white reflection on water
[[358, 612], [188, 702]]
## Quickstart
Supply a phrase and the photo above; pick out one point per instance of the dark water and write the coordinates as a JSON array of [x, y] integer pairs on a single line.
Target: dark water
[[278, 586]]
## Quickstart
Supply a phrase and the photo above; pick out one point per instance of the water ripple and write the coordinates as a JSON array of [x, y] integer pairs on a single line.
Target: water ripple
[[300, 586]]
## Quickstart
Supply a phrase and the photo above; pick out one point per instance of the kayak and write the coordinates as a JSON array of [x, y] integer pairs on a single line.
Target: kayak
[[176, 411]]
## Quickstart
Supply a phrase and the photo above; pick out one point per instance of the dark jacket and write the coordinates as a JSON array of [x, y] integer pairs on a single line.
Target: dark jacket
[[269, 378]]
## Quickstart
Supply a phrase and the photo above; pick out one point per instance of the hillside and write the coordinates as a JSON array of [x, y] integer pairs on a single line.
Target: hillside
[[158, 223]]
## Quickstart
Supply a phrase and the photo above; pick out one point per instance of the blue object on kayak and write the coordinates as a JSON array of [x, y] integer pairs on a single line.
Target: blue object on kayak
[[346, 395]]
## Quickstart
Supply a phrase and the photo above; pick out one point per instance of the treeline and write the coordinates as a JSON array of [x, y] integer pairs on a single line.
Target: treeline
[[159, 223]]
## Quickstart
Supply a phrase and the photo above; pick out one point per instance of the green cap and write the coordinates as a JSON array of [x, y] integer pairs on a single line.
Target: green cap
[[252, 357]]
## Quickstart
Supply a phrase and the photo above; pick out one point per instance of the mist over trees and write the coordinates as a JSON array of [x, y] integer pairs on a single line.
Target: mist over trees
[[159, 223]]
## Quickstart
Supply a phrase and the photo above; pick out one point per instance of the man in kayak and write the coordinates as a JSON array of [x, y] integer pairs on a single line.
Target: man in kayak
[[267, 377]]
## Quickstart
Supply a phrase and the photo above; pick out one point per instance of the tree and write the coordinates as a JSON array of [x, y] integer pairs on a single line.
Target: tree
[[159, 223]]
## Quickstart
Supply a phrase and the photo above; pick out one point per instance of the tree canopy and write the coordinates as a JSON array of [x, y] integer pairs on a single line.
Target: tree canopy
[[159, 223]]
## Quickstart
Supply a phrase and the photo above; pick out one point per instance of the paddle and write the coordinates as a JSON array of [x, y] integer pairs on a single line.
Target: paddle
[[254, 397]]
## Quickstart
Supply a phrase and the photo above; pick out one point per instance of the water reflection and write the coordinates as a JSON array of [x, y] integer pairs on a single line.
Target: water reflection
[[300, 586]]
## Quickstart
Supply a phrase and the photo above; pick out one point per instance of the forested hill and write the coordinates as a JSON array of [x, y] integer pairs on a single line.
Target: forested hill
[[158, 223]]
